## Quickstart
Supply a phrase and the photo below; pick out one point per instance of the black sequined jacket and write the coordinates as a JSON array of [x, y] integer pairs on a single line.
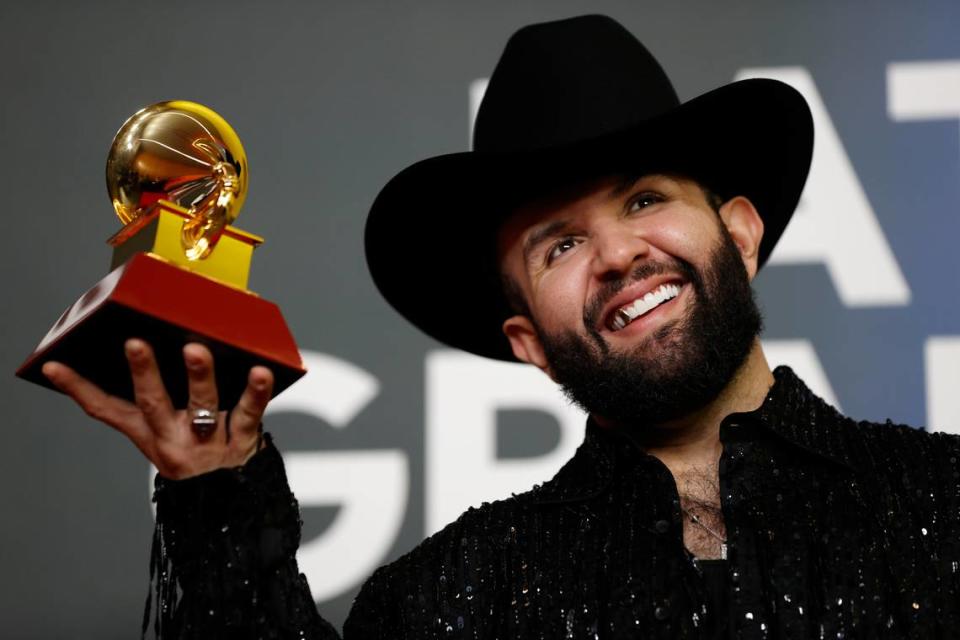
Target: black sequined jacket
[[836, 529]]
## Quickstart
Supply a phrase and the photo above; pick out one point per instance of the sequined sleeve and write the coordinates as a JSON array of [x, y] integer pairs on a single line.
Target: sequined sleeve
[[228, 539], [920, 513]]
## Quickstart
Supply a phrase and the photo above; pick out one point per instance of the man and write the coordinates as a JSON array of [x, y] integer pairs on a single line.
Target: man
[[611, 234]]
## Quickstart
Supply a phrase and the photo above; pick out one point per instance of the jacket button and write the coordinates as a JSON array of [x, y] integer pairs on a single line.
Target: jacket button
[[661, 613], [662, 526]]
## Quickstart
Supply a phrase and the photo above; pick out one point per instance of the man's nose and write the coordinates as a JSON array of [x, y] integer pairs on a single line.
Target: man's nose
[[617, 249]]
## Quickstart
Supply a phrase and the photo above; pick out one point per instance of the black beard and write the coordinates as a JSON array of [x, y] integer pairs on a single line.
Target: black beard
[[679, 368]]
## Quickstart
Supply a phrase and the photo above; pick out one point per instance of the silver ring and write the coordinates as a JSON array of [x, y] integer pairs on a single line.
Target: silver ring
[[203, 421]]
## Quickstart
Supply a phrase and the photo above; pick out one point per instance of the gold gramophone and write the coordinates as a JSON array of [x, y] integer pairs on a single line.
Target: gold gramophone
[[177, 177]]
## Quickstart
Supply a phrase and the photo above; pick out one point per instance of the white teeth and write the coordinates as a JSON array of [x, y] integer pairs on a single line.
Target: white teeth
[[630, 312]]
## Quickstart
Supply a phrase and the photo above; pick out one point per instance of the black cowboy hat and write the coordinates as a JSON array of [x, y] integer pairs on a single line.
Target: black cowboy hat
[[568, 101]]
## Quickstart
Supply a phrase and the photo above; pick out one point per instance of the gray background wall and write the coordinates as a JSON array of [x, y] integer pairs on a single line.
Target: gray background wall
[[331, 99]]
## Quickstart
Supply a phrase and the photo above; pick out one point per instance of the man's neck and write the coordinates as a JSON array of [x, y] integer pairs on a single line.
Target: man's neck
[[693, 441]]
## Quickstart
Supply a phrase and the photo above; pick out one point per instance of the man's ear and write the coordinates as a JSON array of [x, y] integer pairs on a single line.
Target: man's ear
[[525, 342], [745, 226]]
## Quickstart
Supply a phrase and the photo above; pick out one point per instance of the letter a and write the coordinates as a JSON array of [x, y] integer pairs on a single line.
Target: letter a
[[834, 222]]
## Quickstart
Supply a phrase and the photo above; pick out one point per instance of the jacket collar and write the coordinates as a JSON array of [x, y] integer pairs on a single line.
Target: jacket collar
[[790, 411], [803, 419]]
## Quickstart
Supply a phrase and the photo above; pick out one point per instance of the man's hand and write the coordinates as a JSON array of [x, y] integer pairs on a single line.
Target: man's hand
[[164, 435]]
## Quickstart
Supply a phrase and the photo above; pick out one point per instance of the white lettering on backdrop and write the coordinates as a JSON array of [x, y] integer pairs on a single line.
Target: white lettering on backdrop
[[927, 90], [371, 487], [834, 214], [941, 357], [917, 91], [464, 393]]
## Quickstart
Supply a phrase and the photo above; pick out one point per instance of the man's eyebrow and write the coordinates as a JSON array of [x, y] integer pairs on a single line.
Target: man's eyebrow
[[540, 234], [626, 183]]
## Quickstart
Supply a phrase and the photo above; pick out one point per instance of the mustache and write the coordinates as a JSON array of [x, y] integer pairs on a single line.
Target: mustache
[[600, 299]]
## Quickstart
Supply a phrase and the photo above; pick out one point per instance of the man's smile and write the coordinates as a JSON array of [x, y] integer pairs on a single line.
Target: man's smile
[[639, 300]]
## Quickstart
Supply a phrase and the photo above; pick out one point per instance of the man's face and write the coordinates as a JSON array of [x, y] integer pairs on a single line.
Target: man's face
[[639, 295]]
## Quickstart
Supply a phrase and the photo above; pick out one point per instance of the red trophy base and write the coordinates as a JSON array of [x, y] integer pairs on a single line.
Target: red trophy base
[[168, 307]]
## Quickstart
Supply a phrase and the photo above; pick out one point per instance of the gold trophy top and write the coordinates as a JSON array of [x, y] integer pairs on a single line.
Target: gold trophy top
[[185, 153]]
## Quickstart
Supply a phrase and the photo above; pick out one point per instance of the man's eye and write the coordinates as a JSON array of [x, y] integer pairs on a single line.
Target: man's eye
[[644, 200], [560, 247]]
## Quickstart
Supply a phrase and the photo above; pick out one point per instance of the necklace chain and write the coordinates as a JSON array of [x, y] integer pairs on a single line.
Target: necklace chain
[[695, 520]]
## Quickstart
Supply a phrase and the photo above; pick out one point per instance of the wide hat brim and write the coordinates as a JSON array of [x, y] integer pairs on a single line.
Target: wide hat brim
[[431, 234]]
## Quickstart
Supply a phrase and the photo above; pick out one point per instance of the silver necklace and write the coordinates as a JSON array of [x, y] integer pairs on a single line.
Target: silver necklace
[[723, 541]]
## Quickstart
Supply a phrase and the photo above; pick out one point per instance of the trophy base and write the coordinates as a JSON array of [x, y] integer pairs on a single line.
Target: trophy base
[[168, 307]]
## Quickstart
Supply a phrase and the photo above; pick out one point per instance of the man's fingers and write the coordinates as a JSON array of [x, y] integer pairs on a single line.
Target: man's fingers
[[148, 389], [201, 381], [95, 402], [249, 410]]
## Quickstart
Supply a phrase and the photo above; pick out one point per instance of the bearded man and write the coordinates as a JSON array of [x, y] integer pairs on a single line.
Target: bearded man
[[611, 233]]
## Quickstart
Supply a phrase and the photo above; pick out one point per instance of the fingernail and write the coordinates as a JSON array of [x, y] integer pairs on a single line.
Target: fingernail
[[48, 369]]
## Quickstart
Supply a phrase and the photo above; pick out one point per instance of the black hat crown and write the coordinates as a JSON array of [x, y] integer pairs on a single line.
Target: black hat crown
[[570, 81]]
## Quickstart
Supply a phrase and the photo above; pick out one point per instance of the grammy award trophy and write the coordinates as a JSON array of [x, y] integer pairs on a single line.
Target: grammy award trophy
[[177, 176]]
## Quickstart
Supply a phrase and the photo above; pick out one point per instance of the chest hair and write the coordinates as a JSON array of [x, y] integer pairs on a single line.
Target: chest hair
[[699, 490]]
